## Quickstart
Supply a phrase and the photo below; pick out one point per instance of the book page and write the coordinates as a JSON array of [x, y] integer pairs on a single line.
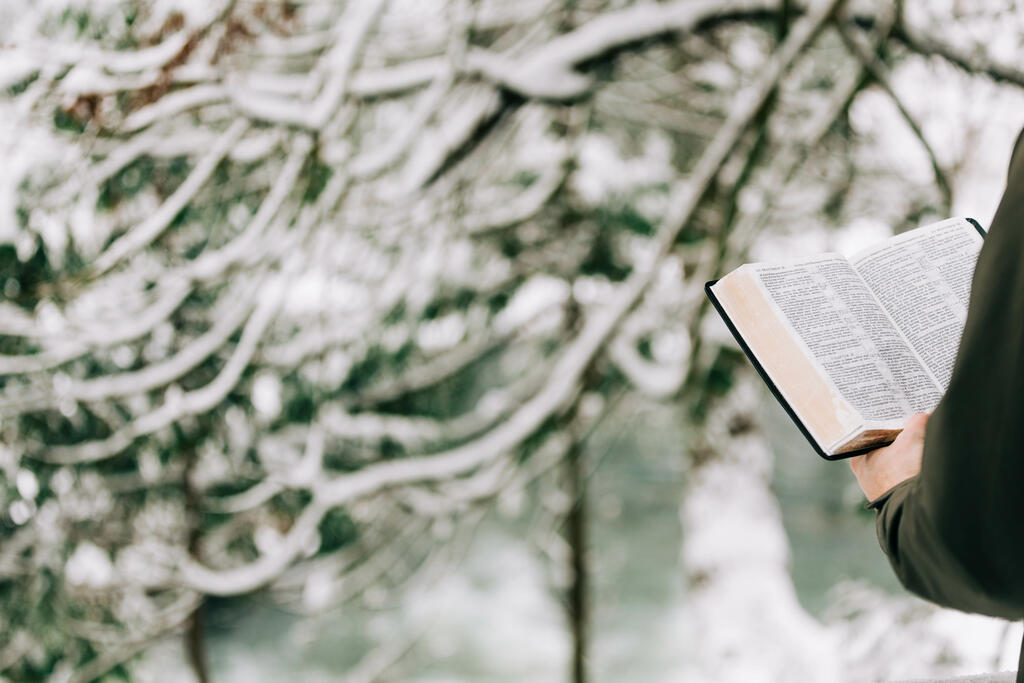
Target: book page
[[849, 335], [769, 339], [923, 280]]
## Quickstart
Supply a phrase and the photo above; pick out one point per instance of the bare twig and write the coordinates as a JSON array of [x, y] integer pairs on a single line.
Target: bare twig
[[880, 73]]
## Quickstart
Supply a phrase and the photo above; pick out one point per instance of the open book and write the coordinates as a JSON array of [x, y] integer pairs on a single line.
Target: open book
[[852, 346]]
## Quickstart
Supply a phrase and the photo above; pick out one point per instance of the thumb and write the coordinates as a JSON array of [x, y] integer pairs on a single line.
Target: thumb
[[914, 429]]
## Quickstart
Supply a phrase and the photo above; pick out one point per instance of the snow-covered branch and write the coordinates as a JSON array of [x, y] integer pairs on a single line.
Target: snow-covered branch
[[142, 235], [565, 375], [178, 404], [880, 73]]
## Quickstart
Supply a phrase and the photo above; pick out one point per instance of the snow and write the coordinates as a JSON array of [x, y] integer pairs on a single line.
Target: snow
[[21, 511], [25, 146], [670, 345], [89, 566], [537, 294], [27, 484], [441, 333], [318, 590], [603, 173], [886, 637], [858, 234], [737, 555], [744, 623], [591, 290], [517, 630], [266, 395]]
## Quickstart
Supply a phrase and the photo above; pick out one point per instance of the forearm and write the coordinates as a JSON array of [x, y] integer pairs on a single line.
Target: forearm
[[921, 559], [955, 533]]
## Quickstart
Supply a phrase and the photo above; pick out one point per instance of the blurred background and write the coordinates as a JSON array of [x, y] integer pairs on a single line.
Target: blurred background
[[366, 341]]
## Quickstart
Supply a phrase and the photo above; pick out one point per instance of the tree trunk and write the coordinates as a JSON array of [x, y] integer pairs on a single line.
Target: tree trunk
[[195, 646], [747, 621], [576, 535]]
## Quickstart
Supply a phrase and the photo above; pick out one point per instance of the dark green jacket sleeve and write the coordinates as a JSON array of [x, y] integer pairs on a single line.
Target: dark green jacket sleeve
[[955, 533]]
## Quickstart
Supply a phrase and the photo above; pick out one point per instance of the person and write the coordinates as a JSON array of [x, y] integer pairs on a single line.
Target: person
[[949, 491]]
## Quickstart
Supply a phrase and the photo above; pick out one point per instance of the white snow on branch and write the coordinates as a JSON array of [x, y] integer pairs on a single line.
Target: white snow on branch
[[565, 375], [151, 377], [142, 235], [173, 104], [178, 404]]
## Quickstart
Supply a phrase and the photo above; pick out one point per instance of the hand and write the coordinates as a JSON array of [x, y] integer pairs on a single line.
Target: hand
[[883, 468]]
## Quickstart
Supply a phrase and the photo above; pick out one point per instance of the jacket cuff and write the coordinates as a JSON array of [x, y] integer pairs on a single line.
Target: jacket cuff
[[889, 509], [898, 491]]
